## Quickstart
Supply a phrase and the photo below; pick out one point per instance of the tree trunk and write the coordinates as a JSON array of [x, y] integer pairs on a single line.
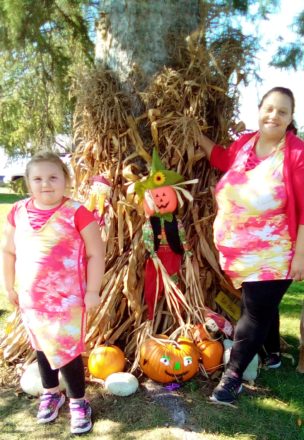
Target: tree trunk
[[139, 36]]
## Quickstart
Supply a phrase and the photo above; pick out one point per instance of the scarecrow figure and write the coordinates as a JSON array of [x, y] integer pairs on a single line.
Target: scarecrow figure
[[163, 233], [99, 202]]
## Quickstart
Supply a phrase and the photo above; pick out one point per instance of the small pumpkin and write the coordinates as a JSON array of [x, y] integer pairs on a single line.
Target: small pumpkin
[[168, 361], [211, 354], [105, 360]]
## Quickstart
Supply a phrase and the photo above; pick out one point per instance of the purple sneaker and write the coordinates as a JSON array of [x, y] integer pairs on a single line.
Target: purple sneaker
[[50, 403], [80, 417]]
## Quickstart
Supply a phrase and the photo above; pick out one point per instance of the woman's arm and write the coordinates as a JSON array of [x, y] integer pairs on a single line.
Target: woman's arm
[[95, 252], [220, 157], [206, 145], [297, 177], [8, 263], [297, 265]]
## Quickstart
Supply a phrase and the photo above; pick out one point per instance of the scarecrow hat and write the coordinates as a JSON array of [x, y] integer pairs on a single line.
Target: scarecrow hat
[[159, 176]]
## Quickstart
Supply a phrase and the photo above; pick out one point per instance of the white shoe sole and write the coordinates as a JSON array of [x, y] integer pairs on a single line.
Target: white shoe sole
[[272, 367]]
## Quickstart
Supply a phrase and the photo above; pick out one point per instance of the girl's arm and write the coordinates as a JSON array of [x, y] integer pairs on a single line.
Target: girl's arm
[[297, 265], [95, 252], [8, 263]]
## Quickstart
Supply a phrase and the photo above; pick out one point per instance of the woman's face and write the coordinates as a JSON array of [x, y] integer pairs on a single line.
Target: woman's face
[[275, 115]]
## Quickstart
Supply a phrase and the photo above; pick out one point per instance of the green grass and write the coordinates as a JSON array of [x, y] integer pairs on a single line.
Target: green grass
[[273, 409]]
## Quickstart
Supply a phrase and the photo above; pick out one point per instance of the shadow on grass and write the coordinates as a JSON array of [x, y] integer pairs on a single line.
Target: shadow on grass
[[258, 415]]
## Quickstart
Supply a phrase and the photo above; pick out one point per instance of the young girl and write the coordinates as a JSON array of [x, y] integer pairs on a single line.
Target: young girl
[[53, 245]]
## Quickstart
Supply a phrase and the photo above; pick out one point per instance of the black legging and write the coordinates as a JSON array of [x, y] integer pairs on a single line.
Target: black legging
[[72, 373], [260, 313]]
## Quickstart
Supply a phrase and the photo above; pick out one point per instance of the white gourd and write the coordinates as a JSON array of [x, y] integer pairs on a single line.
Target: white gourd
[[121, 384], [251, 372], [30, 381]]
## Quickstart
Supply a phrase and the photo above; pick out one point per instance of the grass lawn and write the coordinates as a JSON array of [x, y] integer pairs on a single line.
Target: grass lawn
[[272, 409]]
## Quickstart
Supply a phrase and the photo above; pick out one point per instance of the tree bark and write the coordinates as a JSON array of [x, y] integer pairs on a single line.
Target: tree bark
[[142, 36]]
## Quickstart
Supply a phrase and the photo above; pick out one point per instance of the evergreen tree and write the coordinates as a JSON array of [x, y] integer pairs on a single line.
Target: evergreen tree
[[44, 44], [292, 55], [41, 43]]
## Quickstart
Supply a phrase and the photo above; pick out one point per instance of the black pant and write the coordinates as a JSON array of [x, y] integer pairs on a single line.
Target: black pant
[[272, 341], [259, 317], [72, 373]]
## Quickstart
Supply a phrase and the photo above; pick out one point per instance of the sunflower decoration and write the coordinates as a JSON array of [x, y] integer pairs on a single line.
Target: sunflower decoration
[[159, 178]]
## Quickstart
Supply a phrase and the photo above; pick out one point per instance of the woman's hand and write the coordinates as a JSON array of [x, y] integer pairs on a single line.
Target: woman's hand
[[91, 300], [297, 267]]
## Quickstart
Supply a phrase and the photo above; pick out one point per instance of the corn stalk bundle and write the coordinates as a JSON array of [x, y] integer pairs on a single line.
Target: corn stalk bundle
[[178, 105]]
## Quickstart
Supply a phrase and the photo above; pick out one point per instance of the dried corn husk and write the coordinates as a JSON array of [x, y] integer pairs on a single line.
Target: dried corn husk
[[179, 104]]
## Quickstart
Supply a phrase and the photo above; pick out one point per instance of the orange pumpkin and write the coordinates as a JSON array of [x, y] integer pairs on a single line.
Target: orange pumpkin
[[105, 360], [169, 362], [165, 201], [211, 354]]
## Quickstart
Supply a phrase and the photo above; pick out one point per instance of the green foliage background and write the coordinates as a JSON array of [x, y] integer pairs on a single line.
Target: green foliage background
[[42, 44]]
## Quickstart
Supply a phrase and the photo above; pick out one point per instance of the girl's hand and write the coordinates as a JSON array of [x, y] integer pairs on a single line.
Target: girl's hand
[[91, 300], [12, 296], [297, 267]]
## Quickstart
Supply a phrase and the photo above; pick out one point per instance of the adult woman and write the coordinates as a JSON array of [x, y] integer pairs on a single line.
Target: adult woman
[[259, 227]]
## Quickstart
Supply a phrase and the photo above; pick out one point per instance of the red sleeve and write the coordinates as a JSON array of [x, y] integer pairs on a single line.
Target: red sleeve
[[11, 215], [297, 177], [222, 158], [83, 217]]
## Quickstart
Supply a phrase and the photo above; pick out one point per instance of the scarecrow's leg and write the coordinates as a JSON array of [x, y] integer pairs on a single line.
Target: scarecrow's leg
[[153, 280]]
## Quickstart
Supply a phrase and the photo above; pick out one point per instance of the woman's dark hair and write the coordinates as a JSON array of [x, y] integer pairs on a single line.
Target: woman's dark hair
[[287, 92]]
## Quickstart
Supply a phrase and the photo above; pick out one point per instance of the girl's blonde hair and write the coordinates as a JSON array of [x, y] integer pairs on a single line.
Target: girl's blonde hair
[[48, 156]]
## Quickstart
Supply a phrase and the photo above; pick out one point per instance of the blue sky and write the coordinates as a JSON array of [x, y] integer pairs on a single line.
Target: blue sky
[[270, 30]]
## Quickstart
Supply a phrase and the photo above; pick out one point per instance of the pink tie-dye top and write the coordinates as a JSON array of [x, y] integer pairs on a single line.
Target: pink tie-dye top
[[251, 228], [50, 265]]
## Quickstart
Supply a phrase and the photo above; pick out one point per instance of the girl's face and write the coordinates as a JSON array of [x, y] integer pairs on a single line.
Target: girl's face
[[275, 115], [47, 184]]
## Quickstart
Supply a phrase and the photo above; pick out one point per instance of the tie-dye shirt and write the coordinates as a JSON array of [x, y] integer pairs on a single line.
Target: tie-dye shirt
[[251, 227], [50, 266]]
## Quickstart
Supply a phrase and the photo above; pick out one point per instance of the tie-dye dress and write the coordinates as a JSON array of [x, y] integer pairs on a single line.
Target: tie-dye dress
[[50, 264], [251, 228]]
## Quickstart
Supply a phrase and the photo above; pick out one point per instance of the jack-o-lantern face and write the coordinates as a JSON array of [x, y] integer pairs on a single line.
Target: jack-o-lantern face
[[169, 362], [161, 200]]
